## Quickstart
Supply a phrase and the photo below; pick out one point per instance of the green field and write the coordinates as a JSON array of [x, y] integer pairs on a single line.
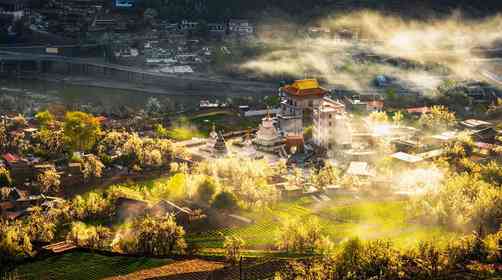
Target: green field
[[85, 266], [340, 219], [225, 121]]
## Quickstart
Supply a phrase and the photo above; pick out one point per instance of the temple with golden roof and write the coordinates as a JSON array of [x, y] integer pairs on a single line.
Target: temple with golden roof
[[302, 95], [298, 100]]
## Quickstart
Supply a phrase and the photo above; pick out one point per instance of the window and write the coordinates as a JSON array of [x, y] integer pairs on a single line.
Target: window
[[330, 124]]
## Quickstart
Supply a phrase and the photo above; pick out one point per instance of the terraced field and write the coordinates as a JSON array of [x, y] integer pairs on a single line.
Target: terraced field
[[339, 220], [85, 266]]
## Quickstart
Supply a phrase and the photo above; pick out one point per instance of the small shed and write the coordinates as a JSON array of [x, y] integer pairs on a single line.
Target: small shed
[[359, 168], [129, 208], [407, 158], [183, 215], [289, 191]]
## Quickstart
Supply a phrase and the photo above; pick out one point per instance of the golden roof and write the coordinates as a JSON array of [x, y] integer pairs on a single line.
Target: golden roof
[[306, 84]]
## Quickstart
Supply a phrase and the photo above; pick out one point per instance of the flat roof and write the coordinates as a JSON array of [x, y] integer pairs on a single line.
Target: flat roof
[[475, 123], [359, 168], [407, 157], [432, 154]]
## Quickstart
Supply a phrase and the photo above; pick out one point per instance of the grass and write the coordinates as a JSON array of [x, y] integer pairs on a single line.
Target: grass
[[183, 133], [85, 266], [200, 125], [224, 121], [339, 220], [154, 190]]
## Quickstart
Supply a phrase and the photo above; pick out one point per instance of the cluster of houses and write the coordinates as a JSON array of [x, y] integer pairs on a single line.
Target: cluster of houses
[[352, 144], [16, 203]]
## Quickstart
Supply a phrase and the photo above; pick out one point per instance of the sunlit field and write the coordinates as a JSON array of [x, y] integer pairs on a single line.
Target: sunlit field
[[85, 266], [341, 219]]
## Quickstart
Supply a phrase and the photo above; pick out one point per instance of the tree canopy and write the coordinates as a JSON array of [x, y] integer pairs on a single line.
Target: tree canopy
[[81, 130]]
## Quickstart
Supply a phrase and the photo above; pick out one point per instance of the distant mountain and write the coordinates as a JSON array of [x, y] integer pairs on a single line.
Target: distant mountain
[[221, 9]]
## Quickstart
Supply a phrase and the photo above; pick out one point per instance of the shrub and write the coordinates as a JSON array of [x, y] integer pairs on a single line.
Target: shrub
[[225, 201], [206, 190], [5, 180]]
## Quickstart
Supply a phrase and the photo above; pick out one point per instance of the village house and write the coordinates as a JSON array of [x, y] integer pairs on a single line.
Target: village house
[[475, 124], [289, 191], [130, 208], [364, 103], [217, 28], [15, 203], [240, 27], [360, 169], [186, 25], [484, 135], [331, 127], [418, 111], [15, 8], [19, 167], [182, 215]]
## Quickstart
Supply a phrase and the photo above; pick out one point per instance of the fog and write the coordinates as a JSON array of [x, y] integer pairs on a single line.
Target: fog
[[434, 45]]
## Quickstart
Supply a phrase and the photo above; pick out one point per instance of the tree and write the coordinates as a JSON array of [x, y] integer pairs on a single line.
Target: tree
[[48, 180], [207, 190], [328, 175], [41, 227], [397, 118], [152, 106], [5, 180], [44, 118], [225, 201], [19, 121], [15, 242], [202, 29], [302, 236], [439, 118], [51, 140], [88, 236], [92, 206], [233, 246], [464, 201], [92, 167], [158, 236], [281, 167], [3, 138], [379, 117], [391, 94], [160, 131], [81, 130]]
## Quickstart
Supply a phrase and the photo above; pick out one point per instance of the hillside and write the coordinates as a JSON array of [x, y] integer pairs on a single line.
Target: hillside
[[220, 9]]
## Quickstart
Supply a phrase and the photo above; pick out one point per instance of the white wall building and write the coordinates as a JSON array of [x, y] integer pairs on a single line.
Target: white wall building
[[331, 127]]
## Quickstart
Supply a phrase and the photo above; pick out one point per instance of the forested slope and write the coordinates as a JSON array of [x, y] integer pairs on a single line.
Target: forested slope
[[221, 9]]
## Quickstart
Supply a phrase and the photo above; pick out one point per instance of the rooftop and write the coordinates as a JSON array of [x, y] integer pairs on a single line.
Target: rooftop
[[307, 87], [407, 157], [8, 157], [359, 168], [419, 110], [472, 123], [330, 105]]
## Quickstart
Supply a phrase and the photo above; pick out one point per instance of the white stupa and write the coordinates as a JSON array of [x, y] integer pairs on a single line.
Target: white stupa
[[268, 139]]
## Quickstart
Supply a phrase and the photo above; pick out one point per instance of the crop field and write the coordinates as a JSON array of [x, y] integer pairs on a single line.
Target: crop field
[[85, 266], [339, 219]]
